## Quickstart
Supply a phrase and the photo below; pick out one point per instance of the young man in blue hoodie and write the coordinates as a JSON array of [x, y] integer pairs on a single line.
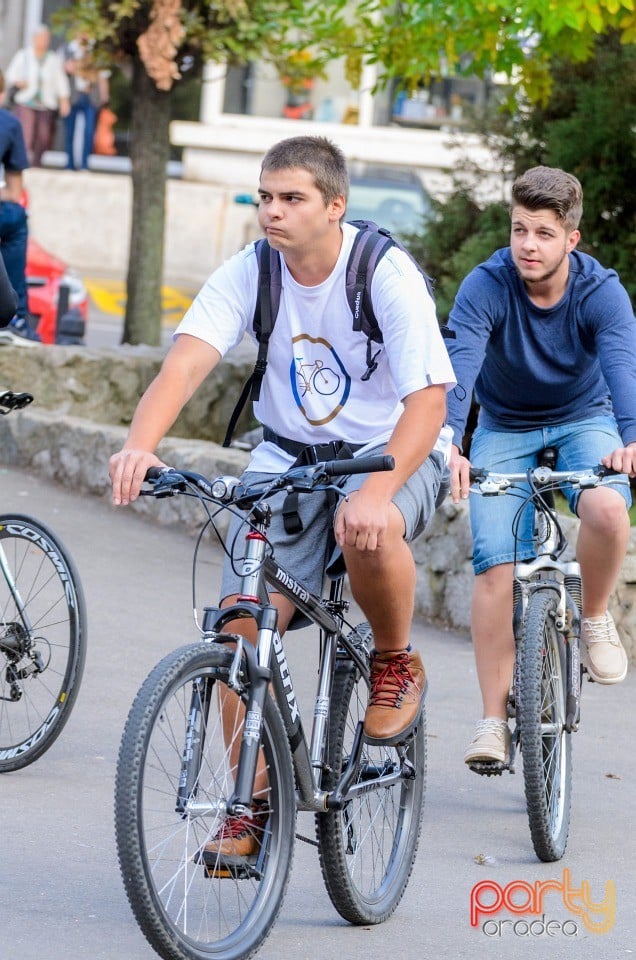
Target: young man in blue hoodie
[[546, 337]]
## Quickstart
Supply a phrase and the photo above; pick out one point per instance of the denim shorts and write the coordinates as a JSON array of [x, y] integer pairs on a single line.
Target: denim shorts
[[311, 553], [581, 445]]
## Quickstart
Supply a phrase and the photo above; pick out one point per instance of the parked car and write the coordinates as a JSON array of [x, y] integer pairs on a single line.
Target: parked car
[[57, 297], [393, 197]]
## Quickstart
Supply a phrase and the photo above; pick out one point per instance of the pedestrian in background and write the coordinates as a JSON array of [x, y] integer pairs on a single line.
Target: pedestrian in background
[[89, 92], [13, 220], [42, 92]]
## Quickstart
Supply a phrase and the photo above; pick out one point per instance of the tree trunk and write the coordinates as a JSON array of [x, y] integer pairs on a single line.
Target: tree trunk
[[150, 151]]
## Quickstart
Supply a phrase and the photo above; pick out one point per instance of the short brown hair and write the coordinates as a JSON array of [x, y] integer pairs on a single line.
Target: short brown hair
[[1, 82], [548, 188], [323, 159]]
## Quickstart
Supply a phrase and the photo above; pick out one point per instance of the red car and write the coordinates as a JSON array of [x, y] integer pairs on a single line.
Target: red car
[[52, 290]]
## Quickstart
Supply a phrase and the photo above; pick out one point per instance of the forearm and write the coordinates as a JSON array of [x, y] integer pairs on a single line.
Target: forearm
[[184, 369]]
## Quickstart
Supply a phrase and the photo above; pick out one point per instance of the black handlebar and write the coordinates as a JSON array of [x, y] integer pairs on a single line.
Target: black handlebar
[[168, 481], [343, 468]]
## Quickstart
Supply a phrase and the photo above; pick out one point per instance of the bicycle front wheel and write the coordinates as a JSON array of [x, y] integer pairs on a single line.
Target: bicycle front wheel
[[42, 639], [367, 849], [546, 746], [175, 775]]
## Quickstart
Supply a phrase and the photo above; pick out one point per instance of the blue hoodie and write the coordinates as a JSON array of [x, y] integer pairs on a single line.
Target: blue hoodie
[[535, 366]]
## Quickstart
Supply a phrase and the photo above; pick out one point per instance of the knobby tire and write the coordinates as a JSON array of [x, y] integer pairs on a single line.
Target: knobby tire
[[545, 745], [186, 912], [367, 849]]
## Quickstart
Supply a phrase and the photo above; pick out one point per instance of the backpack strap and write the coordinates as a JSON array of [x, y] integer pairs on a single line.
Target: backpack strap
[[369, 246], [268, 296], [270, 286]]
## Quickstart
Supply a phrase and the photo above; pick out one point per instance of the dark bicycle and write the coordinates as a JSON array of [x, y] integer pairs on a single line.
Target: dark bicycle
[[42, 632], [545, 698], [215, 733]]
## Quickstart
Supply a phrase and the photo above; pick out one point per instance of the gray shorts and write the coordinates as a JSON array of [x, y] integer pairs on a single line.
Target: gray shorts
[[309, 554]]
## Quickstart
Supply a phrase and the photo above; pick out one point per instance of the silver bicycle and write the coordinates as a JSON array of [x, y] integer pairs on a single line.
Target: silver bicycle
[[545, 698]]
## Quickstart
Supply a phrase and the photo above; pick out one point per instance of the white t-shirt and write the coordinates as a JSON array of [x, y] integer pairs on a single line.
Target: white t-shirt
[[312, 391]]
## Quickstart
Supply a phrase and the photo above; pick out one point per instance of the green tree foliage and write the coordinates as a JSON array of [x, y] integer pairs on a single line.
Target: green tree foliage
[[460, 235]]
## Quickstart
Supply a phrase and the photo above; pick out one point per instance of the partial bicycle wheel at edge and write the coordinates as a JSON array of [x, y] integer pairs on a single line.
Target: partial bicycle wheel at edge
[[42, 639], [187, 910], [367, 849], [546, 747]]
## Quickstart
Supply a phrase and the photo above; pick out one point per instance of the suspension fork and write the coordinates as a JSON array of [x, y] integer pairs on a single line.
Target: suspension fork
[[202, 691], [322, 705]]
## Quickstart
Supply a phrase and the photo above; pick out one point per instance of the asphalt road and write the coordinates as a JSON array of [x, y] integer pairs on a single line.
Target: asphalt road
[[61, 897]]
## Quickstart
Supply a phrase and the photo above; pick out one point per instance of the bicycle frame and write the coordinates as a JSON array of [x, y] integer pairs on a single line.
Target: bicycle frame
[[266, 662]]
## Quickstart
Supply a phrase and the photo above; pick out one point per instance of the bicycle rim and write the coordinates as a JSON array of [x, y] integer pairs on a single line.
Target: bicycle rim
[[187, 910], [545, 744], [42, 639], [368, 848]]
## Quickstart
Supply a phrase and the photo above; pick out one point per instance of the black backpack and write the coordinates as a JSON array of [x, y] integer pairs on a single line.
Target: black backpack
[[369, 246]]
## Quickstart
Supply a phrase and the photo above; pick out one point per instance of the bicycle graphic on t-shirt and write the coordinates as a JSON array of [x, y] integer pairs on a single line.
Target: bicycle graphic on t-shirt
[[316, 377], [319, 381]]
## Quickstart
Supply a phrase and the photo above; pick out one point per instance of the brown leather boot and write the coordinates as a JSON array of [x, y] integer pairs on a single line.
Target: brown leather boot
[[398, 686], [237, 837]]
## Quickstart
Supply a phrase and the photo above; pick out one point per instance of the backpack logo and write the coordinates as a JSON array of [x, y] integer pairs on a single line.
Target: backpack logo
[[357, 305]]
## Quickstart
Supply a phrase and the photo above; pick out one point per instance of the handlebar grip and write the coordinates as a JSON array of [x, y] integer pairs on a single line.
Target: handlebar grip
[[477, 473], [374, 464], [153, 473], [604, 471]]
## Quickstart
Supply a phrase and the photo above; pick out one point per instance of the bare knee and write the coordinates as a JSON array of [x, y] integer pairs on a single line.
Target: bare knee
[[603, 512], [495, 580]]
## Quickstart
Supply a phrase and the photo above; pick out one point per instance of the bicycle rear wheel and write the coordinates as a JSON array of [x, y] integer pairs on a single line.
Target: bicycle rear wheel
[[545, 744], [42, 639], [180, 740], [367, 849]]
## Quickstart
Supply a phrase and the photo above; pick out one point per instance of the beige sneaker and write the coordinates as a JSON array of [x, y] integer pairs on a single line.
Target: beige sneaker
[[490, 743], [603, 653]]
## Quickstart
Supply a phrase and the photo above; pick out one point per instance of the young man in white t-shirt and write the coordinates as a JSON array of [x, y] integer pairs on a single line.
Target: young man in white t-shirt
[[399, 410]]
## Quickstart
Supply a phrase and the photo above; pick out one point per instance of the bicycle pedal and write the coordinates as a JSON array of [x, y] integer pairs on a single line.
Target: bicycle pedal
[[225, 868], [488, 768]]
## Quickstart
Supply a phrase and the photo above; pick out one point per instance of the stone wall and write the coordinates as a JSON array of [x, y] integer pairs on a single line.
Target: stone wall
[[84, 399], [103, 385]]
